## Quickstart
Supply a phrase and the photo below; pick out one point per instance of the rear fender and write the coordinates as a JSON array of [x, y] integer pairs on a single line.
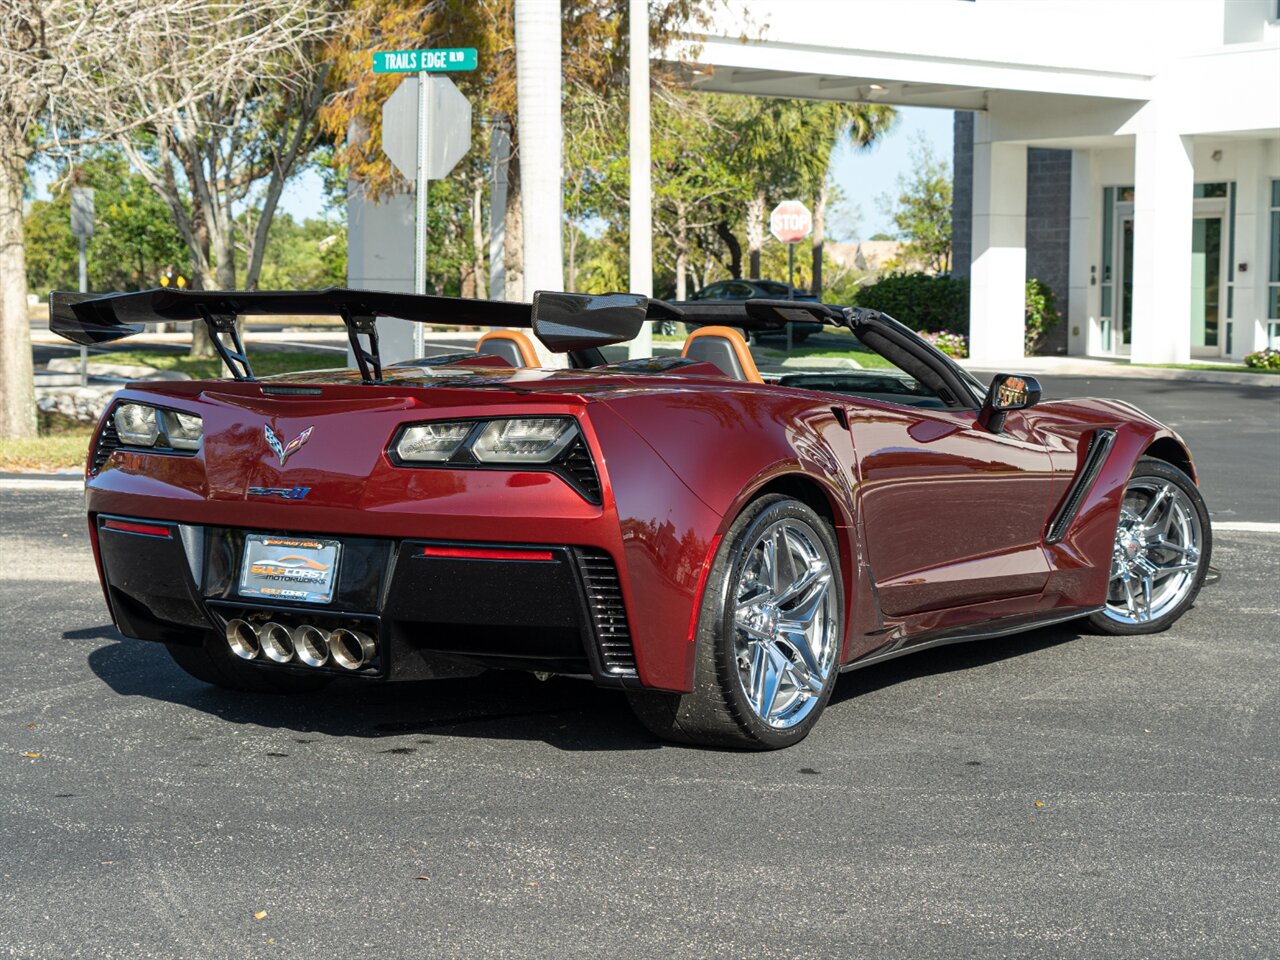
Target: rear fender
[[737, 445]]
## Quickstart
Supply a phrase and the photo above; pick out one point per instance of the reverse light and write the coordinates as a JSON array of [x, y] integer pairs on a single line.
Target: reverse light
[[431, 442], [526, 440], [185, 430], [136, 425]]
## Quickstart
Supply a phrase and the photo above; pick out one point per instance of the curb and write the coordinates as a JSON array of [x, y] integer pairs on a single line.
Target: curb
[[47, 482], [1069, 367]]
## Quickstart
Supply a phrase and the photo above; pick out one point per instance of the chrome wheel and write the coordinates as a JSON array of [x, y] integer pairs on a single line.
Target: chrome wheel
[[1156, 558], [784, 618]]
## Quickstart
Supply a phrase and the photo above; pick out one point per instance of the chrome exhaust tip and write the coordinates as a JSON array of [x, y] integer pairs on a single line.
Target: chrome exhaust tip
[[242, 638], [311, 645], [277, 642], [350, 649]]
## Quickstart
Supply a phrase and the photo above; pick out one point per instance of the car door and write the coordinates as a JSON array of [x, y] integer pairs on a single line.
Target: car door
[[952, 514]]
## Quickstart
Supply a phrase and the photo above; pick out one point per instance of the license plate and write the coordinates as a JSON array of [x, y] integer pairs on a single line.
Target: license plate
[[289, 568]]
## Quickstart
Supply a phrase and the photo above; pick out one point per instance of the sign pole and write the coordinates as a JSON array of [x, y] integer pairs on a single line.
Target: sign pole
[[420, 190], [791, 284], [84, 288]]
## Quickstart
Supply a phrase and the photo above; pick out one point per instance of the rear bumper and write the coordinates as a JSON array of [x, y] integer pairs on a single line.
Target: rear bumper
[[435, 608]]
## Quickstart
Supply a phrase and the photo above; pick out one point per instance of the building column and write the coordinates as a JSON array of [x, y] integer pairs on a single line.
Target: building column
[[1163, 181], [1083, 328], [1249, 293], [998, 273]]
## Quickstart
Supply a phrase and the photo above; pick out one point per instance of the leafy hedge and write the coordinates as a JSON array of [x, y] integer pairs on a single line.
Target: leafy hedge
[[941, 305], [920, 301]]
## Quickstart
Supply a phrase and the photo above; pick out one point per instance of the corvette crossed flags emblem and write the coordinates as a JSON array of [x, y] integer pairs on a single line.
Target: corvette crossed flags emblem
[[285, 451]]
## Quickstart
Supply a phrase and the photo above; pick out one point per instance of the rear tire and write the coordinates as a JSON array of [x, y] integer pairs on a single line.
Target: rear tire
[[769, 635], [214, 663], [1161, 552]]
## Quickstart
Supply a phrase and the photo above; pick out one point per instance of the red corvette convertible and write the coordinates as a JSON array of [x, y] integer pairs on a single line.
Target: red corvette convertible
[[716, 544]]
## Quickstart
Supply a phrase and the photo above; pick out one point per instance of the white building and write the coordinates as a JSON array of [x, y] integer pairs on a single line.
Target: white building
[[1170, 110]]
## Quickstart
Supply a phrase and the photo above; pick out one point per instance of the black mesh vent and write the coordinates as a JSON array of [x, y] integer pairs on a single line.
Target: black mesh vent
[[108, 443], [578, 467], [608, 614], [287, 391]]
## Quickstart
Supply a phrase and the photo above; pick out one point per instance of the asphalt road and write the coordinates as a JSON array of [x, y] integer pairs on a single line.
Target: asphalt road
[[1052, 794]]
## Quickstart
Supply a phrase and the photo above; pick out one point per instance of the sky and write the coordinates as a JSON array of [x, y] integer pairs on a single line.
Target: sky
[[863, 175]]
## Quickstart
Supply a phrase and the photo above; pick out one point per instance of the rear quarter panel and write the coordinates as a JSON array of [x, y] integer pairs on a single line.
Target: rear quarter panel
[[718, 449]]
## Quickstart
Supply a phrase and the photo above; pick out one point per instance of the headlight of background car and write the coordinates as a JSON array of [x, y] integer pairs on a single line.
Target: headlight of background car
[[140, 425], [431, 442], [531, 440], [136, 425]]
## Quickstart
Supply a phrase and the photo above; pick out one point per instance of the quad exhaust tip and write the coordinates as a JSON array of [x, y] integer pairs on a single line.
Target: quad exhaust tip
[[311, 645], [277, 642], [243, 639], [348, 649]]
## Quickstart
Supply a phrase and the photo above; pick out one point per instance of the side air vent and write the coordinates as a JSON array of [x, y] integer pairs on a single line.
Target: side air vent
[[608, 614], [579, 469], [108, 443], [1095, 455]]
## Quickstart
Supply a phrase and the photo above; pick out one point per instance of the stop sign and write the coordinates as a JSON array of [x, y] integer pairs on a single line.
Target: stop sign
[[791, 221]]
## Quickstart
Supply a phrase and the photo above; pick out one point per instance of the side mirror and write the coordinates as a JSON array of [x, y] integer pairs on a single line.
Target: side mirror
[[1008, 392]]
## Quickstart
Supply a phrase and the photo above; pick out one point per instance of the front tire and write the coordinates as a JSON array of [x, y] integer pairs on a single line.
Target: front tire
[[769, 635], [1161, 552], [213, 662]]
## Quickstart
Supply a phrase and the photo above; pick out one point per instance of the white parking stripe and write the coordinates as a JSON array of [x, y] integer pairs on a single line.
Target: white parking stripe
[[1244, 526]]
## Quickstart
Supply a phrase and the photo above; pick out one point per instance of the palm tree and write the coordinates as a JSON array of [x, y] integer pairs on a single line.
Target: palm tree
[[538, 89], [785, 146], [860, 124]]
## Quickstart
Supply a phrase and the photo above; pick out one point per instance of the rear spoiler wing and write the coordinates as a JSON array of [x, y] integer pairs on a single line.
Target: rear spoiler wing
[[562, 321]]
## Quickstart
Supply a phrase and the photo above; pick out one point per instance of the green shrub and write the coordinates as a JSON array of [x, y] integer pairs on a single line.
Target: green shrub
[[952, 344], [1268, 359], [920, 301], [1042, 314], [941, 305]]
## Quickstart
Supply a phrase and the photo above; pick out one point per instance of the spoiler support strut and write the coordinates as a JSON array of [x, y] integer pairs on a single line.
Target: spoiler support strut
[[367, 359], [233, 356]]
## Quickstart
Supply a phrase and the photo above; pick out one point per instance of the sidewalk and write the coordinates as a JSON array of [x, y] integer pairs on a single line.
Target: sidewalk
[[1097, 367]]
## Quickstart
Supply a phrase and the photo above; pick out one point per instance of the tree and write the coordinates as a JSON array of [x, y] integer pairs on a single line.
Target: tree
[[859, 124], [922, 212], [539, 129], [594, 48], [134, 240], [74, 72], [241, 141]]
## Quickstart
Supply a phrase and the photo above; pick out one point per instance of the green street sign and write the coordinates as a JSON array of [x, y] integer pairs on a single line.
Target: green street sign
[[429, 61]]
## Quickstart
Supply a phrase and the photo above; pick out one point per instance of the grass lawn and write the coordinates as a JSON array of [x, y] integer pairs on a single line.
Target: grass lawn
[[864, 357], [264, 362], [56, 451]]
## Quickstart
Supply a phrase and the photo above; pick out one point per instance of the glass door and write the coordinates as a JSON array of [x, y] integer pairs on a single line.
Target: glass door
[[1207, 284], [1123, 246]]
